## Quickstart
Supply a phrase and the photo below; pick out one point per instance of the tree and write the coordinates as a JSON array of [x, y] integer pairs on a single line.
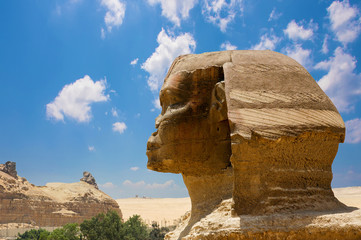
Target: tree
[[102, 227], [34, 234], [135, 229], [70, 231]]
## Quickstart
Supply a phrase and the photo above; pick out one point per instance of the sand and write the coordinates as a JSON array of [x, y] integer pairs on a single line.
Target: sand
[[167, 211], [164, 211]]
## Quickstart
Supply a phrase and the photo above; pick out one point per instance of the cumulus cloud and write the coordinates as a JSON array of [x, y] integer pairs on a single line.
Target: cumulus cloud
[[296, 31], [341, 83], [134, 168], [345, 21], [169, 48], [228, 46], [114, 15], [119, 127], [91, 148], [353, 131], [267, 42], [74, 100], [299, 54], [175, 10], [139, 184], [274, 15], [134, 62], [221, 12]]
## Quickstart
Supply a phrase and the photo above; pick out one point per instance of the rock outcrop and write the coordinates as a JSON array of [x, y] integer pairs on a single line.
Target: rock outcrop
[[251, 126], [88, 178], [9, 168], [54, 204]]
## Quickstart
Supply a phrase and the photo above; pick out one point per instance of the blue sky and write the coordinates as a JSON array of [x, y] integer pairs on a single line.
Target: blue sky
[[80, 79]]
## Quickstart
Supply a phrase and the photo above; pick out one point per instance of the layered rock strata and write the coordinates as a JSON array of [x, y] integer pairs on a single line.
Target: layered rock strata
[[253, 126], [52, 205], [222, 223]]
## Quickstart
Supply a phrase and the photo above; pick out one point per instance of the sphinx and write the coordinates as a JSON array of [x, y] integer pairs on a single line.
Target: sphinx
[[251, 126]]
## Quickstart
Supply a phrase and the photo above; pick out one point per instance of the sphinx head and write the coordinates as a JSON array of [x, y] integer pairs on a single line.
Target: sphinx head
[[260, 112], [192, 134]]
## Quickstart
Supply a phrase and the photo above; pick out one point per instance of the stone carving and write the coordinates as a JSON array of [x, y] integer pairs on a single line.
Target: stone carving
[[9, 168], [88, 178], [55, 204], [251, 125]]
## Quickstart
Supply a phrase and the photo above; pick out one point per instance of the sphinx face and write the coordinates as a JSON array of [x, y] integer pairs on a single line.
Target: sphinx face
[[191, 138]]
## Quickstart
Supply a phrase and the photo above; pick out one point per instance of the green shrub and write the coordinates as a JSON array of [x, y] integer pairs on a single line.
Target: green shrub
[[70, 231], [157, 233], [101, 227], [34, 234]]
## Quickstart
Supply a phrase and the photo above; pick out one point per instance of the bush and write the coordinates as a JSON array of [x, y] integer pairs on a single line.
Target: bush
[[135, 229], [101, 227], [157, 233], [34, 234], [69, 231]]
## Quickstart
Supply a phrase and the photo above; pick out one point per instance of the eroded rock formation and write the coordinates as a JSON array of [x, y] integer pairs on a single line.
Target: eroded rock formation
[[88, 178], [52, 205], [9, 168], [253, 126]]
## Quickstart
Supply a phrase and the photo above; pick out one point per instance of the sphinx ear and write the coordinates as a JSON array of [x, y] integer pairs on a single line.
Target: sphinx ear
[[218, 110]]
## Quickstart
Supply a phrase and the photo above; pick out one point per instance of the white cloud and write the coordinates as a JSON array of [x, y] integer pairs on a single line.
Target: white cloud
[[74, 100], [119, 127], [169, 48], [325, 45], [267, 42], [296, 31], [156, 104], [134, 168], [341, 84], [221, 12], [108, 185], [175, 10], [274, 15], [91, 148], [134, 62], [353, 131], [142, 184], [228, 46], [114, 112], [299, 54], [115, 13], [345, 21]]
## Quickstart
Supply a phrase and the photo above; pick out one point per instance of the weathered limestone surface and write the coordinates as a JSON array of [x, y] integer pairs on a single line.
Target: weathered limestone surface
[[222, 223], [52, 205], [253, 126]]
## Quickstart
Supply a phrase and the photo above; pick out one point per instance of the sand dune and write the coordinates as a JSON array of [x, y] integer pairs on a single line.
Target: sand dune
[[166, 211]]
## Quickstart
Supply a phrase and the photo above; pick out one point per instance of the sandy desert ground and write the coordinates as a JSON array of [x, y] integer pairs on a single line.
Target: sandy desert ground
[[164, 211], [167, 211]]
